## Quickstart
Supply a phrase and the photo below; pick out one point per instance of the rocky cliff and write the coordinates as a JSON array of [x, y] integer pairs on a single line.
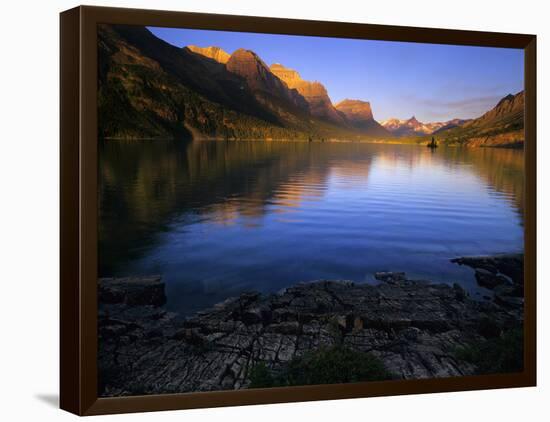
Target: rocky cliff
[[314, 93], [214, 53], [359, 115], [260, 79]]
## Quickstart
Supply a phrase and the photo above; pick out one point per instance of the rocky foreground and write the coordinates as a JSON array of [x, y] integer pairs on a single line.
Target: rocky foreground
[[414, 328]]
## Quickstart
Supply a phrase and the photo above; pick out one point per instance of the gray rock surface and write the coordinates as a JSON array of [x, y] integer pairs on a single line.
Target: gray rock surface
[[132, 291], [503, 274], [414, 327]]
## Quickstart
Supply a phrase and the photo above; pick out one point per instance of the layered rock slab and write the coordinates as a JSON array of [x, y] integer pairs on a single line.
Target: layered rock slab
[[414, 327]]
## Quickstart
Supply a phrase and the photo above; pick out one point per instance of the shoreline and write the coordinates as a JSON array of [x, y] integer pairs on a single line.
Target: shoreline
[[411, 328], [414, 142]]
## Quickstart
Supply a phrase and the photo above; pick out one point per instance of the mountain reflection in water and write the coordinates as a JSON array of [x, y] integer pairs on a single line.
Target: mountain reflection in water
[[218, 218]]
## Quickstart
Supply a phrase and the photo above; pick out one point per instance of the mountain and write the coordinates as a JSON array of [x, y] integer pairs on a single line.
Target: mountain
[[412, 127], [359, 115], [214, 53], [501, 126], [449, 125], [507, 109], [262, 81], [148, 88], [314, 93], [355, 114]]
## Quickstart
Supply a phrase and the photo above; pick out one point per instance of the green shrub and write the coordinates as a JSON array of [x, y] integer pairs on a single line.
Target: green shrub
[[488, 328], [331, 365], [501, 354], [260, 377], [336, 364]]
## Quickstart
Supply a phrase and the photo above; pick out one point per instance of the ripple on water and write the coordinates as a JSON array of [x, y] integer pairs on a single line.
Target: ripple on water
[[219, 218]]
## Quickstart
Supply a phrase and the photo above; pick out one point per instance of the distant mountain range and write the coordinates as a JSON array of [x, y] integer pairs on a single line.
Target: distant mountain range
[[151, 89], [500, 126], [412, 127]]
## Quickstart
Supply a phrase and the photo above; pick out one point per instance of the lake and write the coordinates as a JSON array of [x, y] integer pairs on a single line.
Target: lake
[[219, 218]]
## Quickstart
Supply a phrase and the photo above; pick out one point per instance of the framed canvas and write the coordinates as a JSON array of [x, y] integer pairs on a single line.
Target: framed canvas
[[249, 213]]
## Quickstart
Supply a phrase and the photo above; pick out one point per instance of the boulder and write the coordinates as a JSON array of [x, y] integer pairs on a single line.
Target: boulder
[[390, 277], [132, 291], [488, 279]]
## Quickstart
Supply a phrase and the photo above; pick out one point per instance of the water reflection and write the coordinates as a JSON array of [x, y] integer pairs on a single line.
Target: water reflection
[[216, 218]]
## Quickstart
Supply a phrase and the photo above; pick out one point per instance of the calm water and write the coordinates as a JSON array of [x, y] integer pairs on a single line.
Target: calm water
[[215, 218]]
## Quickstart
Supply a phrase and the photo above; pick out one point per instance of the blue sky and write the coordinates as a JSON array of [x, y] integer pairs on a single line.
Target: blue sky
[[433, 82]]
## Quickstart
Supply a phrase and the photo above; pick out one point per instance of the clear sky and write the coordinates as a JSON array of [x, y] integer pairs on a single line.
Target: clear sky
[[433, 82]]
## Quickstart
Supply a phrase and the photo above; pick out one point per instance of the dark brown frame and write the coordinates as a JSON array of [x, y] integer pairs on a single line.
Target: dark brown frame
[[78, 254]]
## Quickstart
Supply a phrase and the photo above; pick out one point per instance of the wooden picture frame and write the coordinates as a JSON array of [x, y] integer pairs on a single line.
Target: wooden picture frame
[[79, 205]]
